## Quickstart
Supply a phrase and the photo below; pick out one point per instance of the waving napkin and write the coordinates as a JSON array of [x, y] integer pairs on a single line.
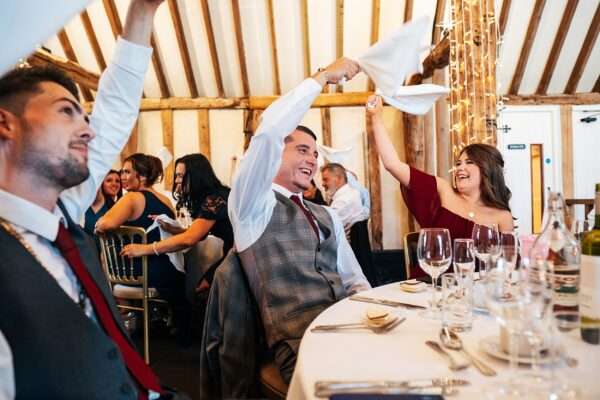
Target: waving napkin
[[388, 63], [176, 257], [25, 24]]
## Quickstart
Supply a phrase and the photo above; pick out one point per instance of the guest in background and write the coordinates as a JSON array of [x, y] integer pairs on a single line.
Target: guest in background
[[140, 172], [478, 193], [197, 189], [342, 198], [107, 194], [313, 194]]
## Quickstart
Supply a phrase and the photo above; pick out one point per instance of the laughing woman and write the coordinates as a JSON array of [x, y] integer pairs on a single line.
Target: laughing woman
[[477, 195]]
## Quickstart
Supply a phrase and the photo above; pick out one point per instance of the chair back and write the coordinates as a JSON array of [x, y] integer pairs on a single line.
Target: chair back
[[411, 261], [120, 269]]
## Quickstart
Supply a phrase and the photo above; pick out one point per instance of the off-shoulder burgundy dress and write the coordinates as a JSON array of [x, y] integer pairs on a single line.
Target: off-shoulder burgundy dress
[[423, 201]]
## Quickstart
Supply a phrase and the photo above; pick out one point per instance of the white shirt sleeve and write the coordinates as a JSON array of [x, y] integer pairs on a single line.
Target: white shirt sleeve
[[347, 205], [251, 200], [115, 111], [348, 267], [7, 375]]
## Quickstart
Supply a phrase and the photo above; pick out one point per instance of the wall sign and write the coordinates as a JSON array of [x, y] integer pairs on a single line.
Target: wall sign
[[516, 146]]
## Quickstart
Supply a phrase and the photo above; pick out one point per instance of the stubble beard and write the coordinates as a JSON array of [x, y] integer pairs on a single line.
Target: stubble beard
[[61, 174]]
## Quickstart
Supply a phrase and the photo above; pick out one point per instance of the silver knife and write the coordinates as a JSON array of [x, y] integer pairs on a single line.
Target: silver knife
[[327, 388], [383, 302]]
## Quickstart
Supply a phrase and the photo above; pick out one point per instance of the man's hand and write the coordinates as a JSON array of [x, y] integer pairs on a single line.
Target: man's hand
[[138, 24], [342, 68]]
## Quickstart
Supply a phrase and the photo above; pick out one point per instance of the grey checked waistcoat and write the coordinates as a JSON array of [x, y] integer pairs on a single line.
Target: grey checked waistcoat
[[292, 276]]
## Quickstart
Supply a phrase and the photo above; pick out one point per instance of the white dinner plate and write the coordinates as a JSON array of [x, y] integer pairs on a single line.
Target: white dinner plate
[[491, 346]]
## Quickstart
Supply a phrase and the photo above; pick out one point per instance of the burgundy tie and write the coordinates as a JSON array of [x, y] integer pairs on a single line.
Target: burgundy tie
[[311, 220], [136, 366]]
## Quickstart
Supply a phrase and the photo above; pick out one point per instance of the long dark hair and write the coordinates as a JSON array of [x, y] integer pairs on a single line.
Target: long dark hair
[[199, 181], [107, 198], [494, 192]]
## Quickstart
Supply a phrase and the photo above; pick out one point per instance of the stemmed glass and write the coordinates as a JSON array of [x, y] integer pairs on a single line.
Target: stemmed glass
[[434, 252], [486, 241], [509, 250], [579, 227]]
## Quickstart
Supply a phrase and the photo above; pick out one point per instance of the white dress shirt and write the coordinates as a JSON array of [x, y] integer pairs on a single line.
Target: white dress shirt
[[347, 205], [365, 197], [251, 201], [115, 110]]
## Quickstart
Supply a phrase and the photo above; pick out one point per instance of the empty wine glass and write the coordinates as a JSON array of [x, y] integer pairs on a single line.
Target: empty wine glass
[[486, 242], [579, 227], [464, 261], [434, 251], [509, 247]]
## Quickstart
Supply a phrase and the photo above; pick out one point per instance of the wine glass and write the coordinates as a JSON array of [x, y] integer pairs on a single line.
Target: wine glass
[[486, 242], [579, 227], [434, 252], [509, 250], [464, 261]]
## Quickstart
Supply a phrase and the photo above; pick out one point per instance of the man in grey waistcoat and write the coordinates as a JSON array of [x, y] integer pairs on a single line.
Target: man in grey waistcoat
[[61, 336], [294, 253]]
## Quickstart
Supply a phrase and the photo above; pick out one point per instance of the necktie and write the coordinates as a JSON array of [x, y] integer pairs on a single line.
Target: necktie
[[311, 220], [135, 364]]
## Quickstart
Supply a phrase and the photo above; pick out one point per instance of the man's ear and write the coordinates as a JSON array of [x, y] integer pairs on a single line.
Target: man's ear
[[8, 124]]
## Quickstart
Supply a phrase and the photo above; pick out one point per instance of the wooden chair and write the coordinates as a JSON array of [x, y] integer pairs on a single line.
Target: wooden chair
[[411, 261], [126, 285]]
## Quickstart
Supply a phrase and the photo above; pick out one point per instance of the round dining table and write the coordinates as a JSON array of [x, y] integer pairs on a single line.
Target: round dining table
[[401, 353]]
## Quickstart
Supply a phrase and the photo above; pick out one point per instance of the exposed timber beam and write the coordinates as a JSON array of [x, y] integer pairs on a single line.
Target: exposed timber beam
[[80, 75], [326, 126], [158, 68], [374, 182], [65, 43], [168, 142], [559, 99], [503, 20], [113, 17], [91, 35], [584, 53], [339, 33], [408, 10], [375, 16], [534, 22], [559, 40], [597, 85], [305, 36], [436, 32], [271, 19], [214, 57], [237, 24], [183, 48], [204, 132]]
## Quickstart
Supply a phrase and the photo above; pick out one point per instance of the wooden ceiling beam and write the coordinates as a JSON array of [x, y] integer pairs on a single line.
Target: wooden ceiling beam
[[214, 57], [113, 17], [559, 99], [183, 47], [375, 17], [65, 43], [271, 19], [91, 35], [80, 75], [534, 22], [597, 85], [436, 32], [339, 33], [408, 10], [237, 24], [559, 40], [305, 37], [158, 68], [503, 20], [584, 53]]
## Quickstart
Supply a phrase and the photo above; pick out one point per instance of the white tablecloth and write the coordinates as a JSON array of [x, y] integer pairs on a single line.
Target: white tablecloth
[[402, 354]]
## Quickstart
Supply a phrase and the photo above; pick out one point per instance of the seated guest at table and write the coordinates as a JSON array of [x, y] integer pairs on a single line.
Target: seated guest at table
[[313, 194], [106, 196], [197, 188], [342, 197], [478, 193], [140, 172], [294, 253], [62, 335]]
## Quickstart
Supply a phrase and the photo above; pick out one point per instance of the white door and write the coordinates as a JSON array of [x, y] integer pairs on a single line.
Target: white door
[[518, 128]]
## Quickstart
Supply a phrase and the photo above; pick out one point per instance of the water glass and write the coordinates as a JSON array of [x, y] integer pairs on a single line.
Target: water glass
[[457, 303], [434, 252], [464, 260], [486, 242]]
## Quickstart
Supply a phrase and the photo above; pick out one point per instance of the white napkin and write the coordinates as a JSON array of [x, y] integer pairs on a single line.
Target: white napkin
[[165, 156], [25, 24], [389, 61], [176, 257], [339, 156]]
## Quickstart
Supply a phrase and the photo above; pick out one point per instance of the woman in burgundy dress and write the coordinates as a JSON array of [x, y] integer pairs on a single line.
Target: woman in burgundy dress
[[477, 195]]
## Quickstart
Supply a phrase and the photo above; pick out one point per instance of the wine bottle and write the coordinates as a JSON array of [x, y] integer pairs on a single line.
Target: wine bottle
[[590, 279]]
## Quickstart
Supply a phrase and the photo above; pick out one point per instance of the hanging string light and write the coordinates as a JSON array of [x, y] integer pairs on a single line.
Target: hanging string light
[[473, 57]]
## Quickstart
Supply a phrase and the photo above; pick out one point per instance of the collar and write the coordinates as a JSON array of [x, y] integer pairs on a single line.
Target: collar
[[29, 216], [341, 190], [287, 193]]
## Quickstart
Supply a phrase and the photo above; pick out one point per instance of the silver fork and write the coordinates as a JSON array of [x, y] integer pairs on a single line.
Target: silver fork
[[388, 326]]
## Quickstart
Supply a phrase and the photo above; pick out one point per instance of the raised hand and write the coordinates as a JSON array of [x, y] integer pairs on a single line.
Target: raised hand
[[374, 105], [342, 68]]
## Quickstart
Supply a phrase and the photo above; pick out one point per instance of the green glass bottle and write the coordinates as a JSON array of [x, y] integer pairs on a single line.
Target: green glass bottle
[[589, 306]]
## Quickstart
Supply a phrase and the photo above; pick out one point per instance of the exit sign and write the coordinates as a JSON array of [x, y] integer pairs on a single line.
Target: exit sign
[[517, 146]]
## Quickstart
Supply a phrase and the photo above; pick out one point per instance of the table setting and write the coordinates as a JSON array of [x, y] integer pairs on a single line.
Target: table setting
[[479, 336]]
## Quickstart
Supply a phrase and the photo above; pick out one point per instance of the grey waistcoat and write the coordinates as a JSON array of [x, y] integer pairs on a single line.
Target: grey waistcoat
[[58, 352], [292, 276]]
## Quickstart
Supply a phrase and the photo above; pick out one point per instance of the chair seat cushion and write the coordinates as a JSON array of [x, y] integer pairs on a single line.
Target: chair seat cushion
[[133, 292], [271, 381]]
